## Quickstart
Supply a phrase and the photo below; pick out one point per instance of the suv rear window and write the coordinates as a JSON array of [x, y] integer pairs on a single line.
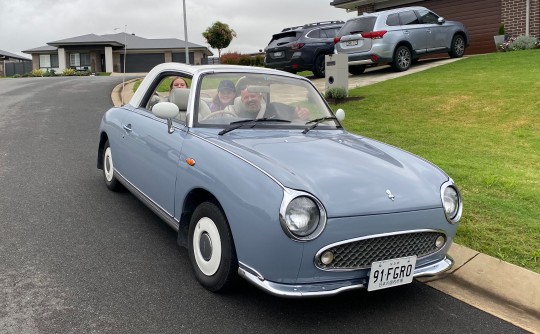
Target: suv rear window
[[284, 38], [356, 26]]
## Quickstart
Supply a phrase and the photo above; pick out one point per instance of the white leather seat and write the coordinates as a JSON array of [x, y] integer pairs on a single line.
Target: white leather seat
[[180, 97]]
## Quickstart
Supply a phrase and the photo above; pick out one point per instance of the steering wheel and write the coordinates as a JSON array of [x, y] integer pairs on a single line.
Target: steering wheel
[[220, 114]]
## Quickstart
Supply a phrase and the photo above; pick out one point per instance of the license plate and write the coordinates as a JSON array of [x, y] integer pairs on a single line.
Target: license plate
[[278, 54], [351, 43], [389, 273]]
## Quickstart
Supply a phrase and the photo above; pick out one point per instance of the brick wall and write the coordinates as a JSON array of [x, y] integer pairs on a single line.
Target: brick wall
[[369, 8], [513, 13]]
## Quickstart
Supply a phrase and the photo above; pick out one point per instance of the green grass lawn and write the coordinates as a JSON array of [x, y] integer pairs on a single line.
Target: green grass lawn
[[479, 120]]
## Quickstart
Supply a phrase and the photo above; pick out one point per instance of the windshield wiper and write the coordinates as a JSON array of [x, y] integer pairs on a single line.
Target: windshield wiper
[[316, 122], [251, 123]]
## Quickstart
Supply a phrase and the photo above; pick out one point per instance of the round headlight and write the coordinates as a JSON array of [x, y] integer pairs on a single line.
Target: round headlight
[[302, 216], [451, 203]]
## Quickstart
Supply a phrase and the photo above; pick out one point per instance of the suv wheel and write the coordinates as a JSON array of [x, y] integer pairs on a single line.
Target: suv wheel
[[458, 47], [358, 69], [318, 67], [402, 59]]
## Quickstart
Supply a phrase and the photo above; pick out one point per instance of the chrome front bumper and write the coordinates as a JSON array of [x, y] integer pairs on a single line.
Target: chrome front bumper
[[328, 288]]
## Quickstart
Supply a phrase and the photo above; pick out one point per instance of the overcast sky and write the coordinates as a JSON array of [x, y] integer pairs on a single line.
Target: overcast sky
[[27, 24]]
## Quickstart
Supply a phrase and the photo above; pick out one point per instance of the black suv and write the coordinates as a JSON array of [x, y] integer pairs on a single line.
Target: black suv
[[302, 48]]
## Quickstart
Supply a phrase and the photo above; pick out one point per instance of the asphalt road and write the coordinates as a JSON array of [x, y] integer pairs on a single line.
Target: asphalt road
[[77, 258]]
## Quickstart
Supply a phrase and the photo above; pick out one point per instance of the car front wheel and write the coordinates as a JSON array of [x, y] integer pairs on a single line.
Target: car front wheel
[[402, 59], [211, 248], [108, 169], [458, 47]]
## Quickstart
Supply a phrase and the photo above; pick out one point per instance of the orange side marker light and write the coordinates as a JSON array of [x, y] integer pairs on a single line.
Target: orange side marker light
[[190, 161]]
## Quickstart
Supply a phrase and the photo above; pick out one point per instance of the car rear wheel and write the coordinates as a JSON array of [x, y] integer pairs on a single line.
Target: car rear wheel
[[318, 67], [108, 169], [211, 249], [402, 59], [357, 69], [458, 47]]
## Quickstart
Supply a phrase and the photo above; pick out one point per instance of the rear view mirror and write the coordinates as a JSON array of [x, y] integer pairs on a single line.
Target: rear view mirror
[[441, 20], [340, 115]]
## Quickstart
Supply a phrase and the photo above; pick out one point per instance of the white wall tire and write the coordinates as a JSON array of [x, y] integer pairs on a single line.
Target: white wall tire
[[211, 248], [206, 235], [108, 168]]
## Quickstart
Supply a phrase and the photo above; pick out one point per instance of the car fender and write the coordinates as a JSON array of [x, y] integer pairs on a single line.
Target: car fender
[[250, 199]]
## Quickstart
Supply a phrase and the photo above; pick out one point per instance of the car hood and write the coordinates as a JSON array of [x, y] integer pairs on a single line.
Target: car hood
[[350, 175]]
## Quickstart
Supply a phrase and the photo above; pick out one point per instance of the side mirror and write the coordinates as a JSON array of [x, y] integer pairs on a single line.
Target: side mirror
[[340, 115], [168, 111], [441, 20], [165, 110]]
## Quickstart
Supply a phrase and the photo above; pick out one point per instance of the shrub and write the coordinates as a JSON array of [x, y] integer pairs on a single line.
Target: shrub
[[520, 43], [68, 72], [49, 73], [37, 72], [501, 29], [336, 93], [231, 58], [17, 76], [244, 60]]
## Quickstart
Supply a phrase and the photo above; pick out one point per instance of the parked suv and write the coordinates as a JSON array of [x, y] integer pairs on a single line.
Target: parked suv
[[399, 36], [302, 48]]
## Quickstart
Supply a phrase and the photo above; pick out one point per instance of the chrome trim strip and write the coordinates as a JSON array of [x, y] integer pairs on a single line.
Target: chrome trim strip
[[241, 158], [373, 236], [156, 208], [435, 268], [247, 268], [361, 62], [295, 291], [332, 288]]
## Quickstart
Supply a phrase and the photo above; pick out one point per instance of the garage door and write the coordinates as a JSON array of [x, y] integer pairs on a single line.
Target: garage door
[[481, 17], [141, 62]]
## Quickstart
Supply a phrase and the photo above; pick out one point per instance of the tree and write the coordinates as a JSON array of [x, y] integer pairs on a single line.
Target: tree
[[219, 36]]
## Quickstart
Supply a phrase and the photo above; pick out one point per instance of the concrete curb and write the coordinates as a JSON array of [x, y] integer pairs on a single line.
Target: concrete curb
[[507, 291], [118, 90]]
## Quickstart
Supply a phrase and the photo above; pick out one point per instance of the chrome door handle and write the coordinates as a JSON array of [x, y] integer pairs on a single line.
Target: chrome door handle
[[127, 127]]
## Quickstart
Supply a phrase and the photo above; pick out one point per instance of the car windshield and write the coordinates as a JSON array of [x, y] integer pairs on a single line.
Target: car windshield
[[230, 99]]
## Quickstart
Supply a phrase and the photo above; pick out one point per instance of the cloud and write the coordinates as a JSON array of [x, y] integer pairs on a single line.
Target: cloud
[[28, 24]]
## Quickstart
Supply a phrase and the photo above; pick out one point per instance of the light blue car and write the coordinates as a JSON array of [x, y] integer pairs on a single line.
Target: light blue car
[[259, 178]]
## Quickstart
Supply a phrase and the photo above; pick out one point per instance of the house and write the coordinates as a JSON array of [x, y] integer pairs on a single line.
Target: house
[[482, 17], [105, 53], [11, 61]]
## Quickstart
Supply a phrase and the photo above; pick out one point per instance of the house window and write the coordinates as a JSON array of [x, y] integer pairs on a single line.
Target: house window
[[79, 59], [44, 60], [54, 61], [48, 61]]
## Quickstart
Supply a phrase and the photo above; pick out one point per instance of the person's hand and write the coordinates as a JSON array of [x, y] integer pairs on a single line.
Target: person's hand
[[302, 113]]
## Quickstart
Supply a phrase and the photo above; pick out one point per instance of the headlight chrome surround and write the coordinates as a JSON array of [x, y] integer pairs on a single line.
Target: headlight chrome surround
[[292, 198], [451, 201]]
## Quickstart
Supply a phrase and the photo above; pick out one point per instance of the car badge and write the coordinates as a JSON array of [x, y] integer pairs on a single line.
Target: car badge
[[392, 197]]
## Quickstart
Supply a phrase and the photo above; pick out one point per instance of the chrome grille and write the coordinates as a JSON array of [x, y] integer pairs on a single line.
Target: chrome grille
[[361, 254]]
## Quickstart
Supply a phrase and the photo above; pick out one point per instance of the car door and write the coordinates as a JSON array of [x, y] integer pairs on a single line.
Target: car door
[[151, 156], [413, 31], [436, 35]]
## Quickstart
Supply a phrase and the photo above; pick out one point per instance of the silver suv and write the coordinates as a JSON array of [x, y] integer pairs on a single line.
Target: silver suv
[[398, 36]]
